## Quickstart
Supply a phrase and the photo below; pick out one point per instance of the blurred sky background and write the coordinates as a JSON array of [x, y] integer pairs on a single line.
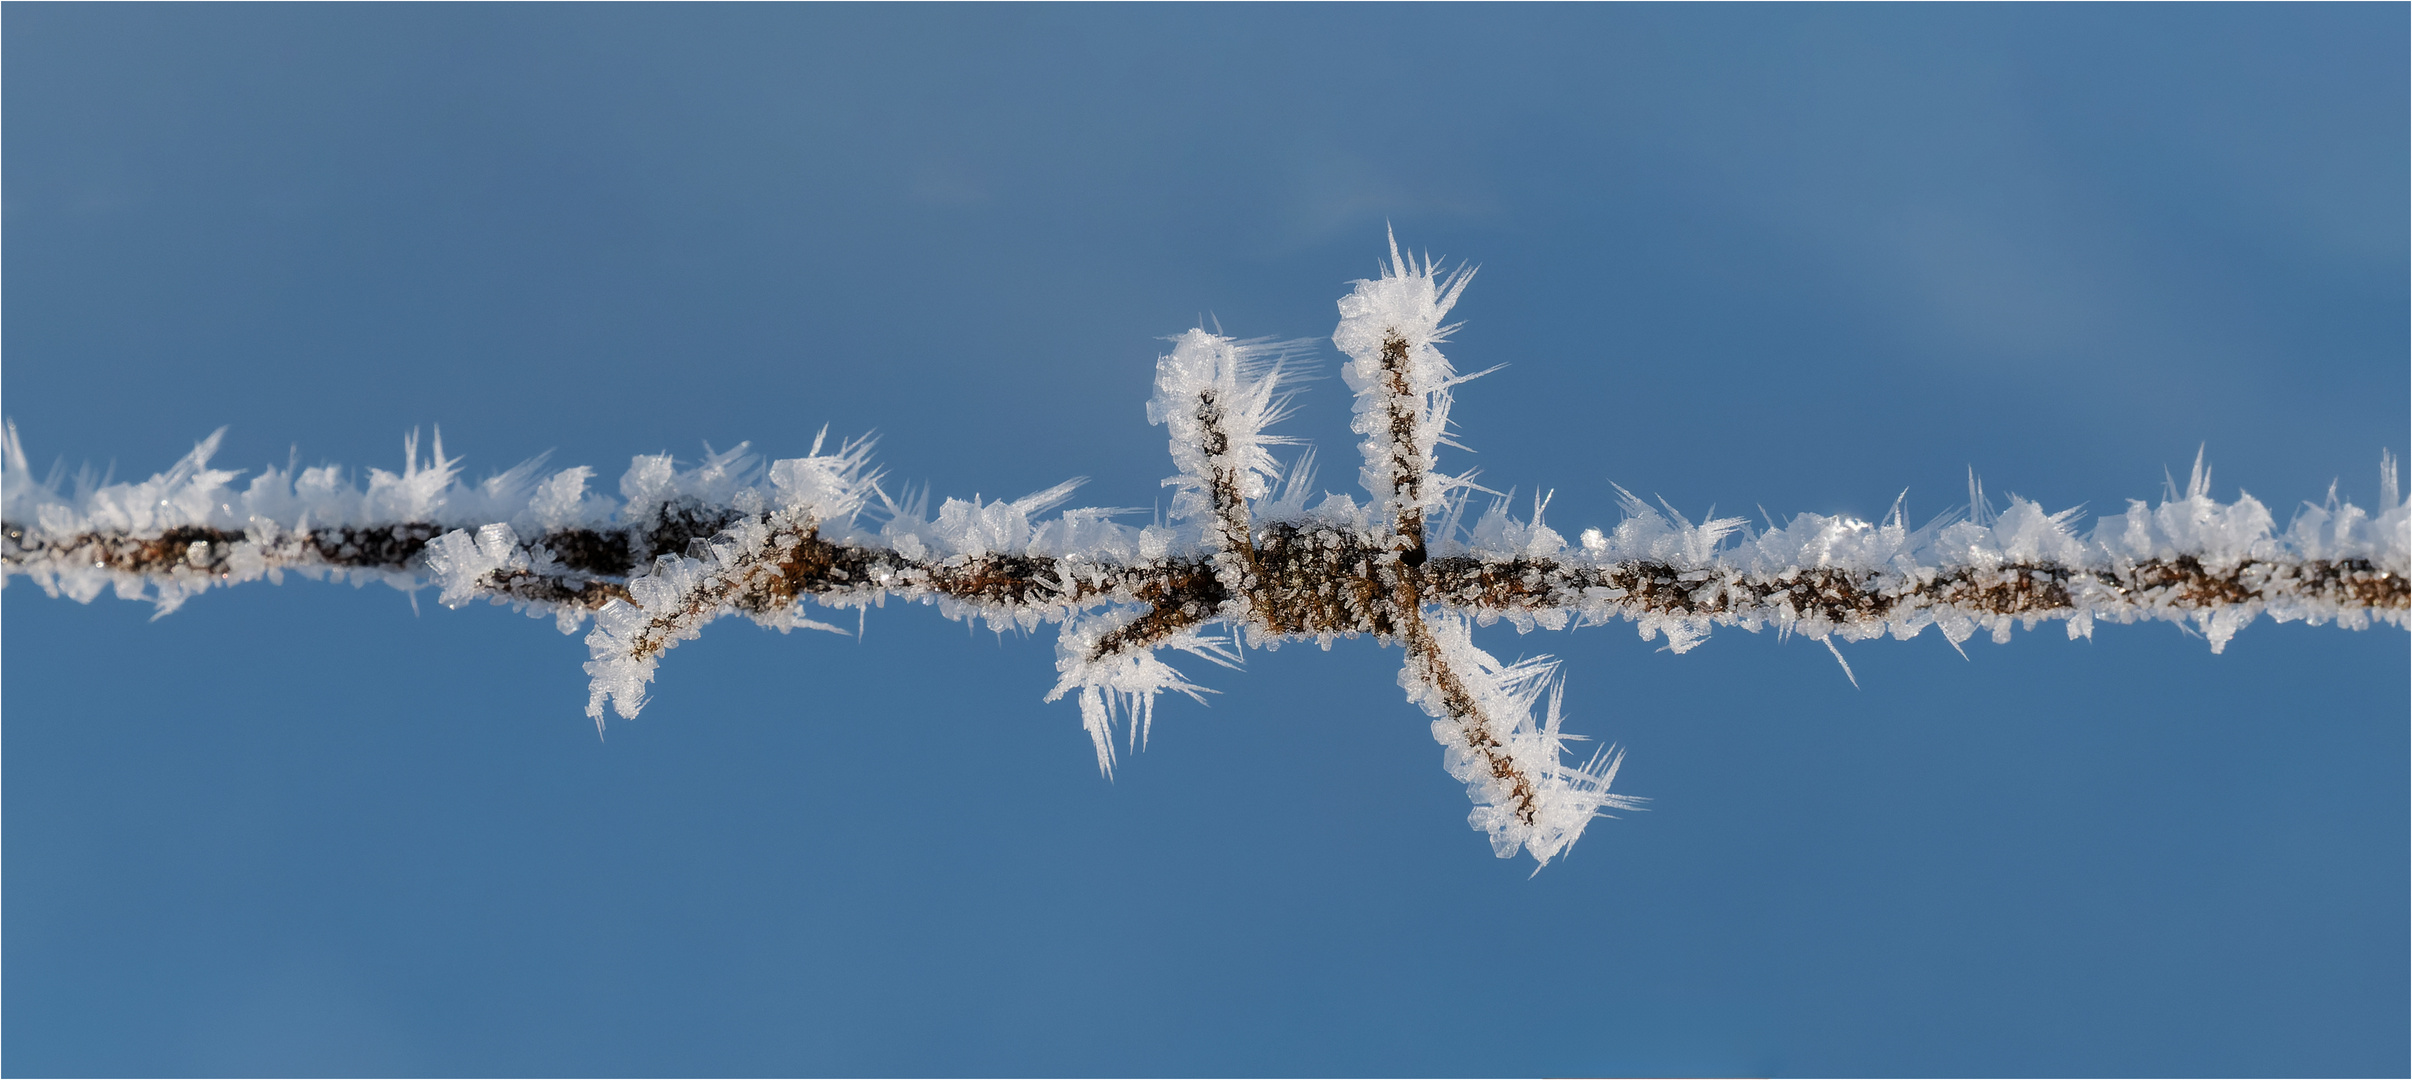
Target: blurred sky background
[[1799, 258]]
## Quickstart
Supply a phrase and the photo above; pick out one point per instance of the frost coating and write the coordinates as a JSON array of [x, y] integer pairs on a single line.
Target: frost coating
[[1241, 560]]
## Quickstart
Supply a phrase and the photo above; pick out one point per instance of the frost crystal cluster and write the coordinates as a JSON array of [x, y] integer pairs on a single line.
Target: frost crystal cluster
[[1241, 560]]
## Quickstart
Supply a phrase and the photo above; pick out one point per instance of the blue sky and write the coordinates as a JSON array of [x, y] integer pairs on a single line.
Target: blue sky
[[1796, 258]]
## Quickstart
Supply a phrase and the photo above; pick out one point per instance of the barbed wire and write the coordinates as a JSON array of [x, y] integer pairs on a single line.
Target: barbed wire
[[1240, 551]]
